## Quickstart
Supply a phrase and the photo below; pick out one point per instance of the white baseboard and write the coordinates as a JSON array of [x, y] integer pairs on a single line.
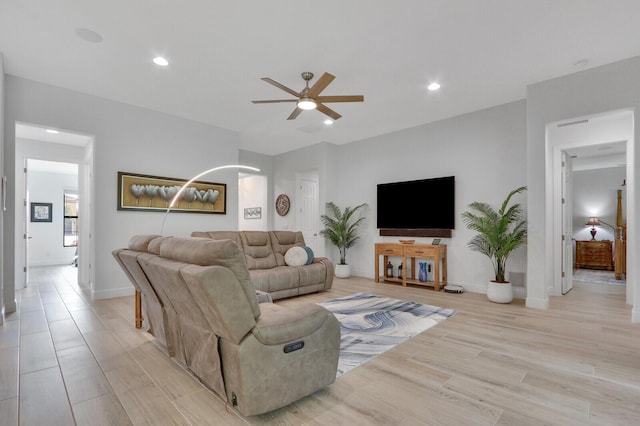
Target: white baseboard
[[635, 316], [532, 302], [110, 294]]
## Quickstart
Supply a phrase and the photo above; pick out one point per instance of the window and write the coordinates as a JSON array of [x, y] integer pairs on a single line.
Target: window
[[70, 237]]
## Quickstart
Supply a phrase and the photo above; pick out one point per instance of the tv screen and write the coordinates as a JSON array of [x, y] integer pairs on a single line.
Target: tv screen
[[417, 204]]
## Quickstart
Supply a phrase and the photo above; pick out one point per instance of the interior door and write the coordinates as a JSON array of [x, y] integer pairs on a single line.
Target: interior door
[[567, 224], [26, 237], [308, 216]]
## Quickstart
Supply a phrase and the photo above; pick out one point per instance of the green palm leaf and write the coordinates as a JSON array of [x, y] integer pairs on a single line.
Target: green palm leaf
[[340, 227], [499, 232]]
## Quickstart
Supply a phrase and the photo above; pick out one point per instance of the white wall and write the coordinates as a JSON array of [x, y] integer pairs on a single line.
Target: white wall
[[484, 150], [252, 192], [265, 164], [9, 298], [46, 245], [131, 139], [612, 87]]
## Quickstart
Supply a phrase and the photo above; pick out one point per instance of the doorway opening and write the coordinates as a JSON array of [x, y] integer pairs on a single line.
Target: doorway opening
[[589, 165], [56, 170]]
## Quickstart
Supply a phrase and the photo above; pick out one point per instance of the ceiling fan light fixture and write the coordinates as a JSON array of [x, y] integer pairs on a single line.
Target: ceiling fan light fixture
[[307, 104]]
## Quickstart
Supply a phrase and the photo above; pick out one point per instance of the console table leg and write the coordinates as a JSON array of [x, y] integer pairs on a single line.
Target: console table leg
[[138, 310]]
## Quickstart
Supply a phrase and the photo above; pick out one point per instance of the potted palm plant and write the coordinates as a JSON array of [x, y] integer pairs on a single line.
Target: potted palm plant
[[340, 227], [499, 234]]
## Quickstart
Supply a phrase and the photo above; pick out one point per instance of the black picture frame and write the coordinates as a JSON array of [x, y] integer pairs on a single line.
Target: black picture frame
[[141, 201], [41, 212]]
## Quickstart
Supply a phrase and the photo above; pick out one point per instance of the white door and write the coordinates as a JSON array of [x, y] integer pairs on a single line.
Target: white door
[[567, 225], [308, 215], [26, 217]]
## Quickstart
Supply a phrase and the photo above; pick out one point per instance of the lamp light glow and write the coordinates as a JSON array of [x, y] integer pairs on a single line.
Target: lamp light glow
[[190, 181], [307, 104], [433, 86]]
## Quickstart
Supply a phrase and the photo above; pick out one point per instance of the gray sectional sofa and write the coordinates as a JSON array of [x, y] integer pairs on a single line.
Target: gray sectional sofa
[[201, 305], [264, 253]]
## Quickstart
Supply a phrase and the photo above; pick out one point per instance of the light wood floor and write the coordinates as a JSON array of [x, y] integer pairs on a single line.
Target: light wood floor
[[65, 361]]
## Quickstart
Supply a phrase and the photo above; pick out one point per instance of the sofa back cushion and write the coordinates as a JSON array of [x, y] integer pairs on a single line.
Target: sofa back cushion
[[219, 235], [141, 242], [258, 252], [209, 252], [281, 241]]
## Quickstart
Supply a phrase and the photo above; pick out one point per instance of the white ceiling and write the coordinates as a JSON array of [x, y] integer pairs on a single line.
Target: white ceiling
[[36, 133], [483, 53], [52, 167]]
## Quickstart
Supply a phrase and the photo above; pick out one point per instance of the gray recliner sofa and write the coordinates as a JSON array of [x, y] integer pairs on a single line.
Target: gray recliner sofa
[[264, 253], [257, 356]]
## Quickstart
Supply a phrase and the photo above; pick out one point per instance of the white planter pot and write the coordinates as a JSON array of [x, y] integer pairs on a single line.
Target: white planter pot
[[500, 292], [343, 271]]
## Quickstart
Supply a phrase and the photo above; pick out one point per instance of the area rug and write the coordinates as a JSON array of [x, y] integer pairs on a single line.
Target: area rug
[[597, 277], [371, 325]]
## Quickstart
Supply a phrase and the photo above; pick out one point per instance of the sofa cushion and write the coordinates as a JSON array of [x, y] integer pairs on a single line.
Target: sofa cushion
[[278, 324], [296, 256], [141, 242], [282, 241], [258, 252], [208, 252], [310, 255]]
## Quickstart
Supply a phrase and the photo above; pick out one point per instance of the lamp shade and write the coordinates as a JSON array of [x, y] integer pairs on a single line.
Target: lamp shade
[[593, 221]]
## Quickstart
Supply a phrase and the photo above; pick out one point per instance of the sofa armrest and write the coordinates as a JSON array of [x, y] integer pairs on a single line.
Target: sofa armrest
[[278, 324], [330, 270]]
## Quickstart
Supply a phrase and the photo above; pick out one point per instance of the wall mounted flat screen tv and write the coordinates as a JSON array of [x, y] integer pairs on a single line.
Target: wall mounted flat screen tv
[[424, 207]]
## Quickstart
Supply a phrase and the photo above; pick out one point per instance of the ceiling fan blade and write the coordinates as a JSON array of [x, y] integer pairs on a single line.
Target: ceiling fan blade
[[280, 86], [345, 98], [274, 101], [296, 112], [320, 85], [328, 111]]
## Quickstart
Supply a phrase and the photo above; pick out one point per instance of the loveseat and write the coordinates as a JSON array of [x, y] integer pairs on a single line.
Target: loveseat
[[267, 255], [201, 303]]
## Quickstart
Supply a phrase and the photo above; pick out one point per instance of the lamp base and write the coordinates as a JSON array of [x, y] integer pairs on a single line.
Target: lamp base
[[593, 234]]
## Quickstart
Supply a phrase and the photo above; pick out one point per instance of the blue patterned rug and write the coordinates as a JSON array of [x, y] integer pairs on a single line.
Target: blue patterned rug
[[371, 325]]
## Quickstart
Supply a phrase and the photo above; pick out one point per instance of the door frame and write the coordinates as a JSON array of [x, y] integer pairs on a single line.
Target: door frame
[[555, 148]]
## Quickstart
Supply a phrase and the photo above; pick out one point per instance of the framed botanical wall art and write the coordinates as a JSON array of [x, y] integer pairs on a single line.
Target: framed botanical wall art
[[155, 193], [41, 212]]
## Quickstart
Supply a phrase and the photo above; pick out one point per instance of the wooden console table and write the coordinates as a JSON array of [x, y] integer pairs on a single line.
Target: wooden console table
[[413, 251]]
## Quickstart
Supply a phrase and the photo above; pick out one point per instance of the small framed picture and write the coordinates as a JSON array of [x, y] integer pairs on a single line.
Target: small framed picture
[[435, 241], [253, 213], [41, 212]]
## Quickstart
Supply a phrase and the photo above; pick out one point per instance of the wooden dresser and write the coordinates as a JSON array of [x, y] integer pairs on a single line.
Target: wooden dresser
[[594, 254]]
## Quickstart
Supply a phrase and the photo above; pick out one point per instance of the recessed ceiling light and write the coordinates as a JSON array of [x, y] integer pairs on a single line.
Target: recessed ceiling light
[[159, 60], [52, 131], [433, 86], [88, 35], [328, 122], [581, 63]]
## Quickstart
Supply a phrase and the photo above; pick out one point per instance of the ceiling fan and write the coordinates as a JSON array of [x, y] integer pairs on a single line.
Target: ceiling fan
[[309, 98]]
